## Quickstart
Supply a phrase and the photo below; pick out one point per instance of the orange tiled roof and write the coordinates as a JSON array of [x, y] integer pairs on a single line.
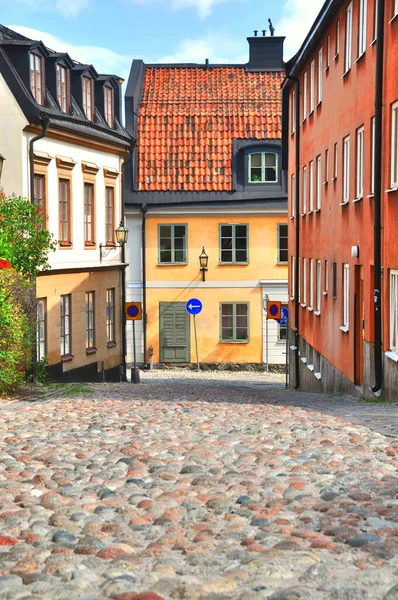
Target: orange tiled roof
[[188, 118]]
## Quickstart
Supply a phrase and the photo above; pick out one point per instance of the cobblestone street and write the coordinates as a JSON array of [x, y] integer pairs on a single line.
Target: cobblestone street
[[198, 486]]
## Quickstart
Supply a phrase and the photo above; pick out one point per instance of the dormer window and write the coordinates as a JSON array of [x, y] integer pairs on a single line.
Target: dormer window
[[88, 97], [62, 87], [263, 167], [36, 77], [108, 98]]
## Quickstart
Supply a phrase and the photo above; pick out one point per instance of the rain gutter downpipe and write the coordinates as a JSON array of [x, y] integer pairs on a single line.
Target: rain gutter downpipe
[[297, 226], [144, 211], [378, 358]]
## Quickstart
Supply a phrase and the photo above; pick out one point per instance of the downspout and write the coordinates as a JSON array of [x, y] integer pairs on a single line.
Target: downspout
[[378, 358], [144, 210], [297, 245]]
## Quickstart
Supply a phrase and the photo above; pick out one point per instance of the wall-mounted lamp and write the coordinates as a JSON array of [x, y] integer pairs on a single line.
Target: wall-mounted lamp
[[203, 261], [122, 234], [2, 159]]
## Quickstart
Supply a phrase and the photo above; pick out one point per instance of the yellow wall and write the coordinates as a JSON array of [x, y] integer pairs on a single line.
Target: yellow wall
[[77, 284], [204, 231]]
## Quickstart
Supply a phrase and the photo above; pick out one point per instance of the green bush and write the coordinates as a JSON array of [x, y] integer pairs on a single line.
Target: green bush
[[15, 331]]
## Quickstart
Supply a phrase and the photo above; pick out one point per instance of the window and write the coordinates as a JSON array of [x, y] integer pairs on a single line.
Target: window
[[292, 276], [282, 243], [65, 325], [346, 296], [90, 321], [40, 193], [292, 196], [360, 162], [334, 276], [41, 328], [318, 286], [337, 41], [327, 53], [89, 213], [110, 215], [320, 74], [304, 281], [394, 310], [362, 27], [394, 146], [395, 8], [311, 299], [311, 186], [64, 211], [326, 287], [326, 166], [293, 112], [234, 322], [172, 244], [88, 97], [318, 182], [234, 243], [346, 169], [282, 329], [312, 86], [348, 38], [299, 280], [36, 77], [372, 158], [108, 97], [304, 190], [110, 315], [305, 86], [335, 160], [62, 87], [263, 167]]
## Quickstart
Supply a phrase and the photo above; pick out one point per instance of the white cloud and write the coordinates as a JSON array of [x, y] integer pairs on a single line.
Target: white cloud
[[298, 16], [68, 8], [204, 7], [216, 46]]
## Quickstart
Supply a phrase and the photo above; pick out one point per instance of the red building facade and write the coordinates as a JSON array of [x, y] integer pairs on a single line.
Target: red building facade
[[341, 157]]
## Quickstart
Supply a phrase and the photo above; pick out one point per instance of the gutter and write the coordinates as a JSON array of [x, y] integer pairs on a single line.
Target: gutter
[[297, 226], [45, 124], [377, 306], [144, 211]]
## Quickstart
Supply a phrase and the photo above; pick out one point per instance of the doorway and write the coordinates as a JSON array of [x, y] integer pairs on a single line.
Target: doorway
[[174, 332]]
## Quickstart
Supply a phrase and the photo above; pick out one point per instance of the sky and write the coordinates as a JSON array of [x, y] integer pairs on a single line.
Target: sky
[[109, 34]]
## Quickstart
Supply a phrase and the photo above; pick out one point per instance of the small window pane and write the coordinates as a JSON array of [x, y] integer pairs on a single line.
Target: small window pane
[[256, 160]]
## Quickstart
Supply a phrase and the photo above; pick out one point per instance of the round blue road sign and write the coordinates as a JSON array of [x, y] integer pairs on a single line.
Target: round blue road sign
[[193, 306], [132, 311]]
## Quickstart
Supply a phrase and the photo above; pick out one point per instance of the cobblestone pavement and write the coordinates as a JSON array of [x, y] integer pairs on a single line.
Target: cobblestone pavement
[[224, 487]]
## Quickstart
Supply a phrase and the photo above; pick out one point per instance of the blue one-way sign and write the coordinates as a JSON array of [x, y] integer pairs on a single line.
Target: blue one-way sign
[[193, 306], [284, 315]]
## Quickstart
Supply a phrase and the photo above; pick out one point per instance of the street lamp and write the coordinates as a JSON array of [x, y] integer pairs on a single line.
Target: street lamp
[[203, 261], [121, 237], [2, 159]]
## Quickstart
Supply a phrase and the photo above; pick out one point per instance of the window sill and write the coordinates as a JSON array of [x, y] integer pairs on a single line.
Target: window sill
[[318, 376], [317, 210], [303, 214], [326, 68], [392, 355], [325, 293], [358, 199], [65, 244], [311, 308], [282, 264], [178, 264], [67, 357], [344, 75], [228, 264], [359, 58], [89, 245], [344, 328], [325, 182], [303, 360], [393, 19], [392, 189], [111, 344], [310, 367], [372, 43], [335, 57], [303, 305], [311, 113], [234, 341], [344, 203], [317, 313], [293, 348], [291, 298], [371, 196], [310, 212], [92, 350], [334, 178], [319, 104]]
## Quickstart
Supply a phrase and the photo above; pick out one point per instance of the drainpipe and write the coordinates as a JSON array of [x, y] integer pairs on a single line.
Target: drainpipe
[[297, 226], [144, 210], [378, 358]]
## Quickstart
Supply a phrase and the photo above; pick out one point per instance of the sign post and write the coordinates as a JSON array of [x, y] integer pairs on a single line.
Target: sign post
[[193, 307], [134, 313]]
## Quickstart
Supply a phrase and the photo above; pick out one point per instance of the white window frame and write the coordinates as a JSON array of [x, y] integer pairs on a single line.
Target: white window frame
[[293, 112], [311, 187], [362, 23], [395, 8], [312, 86], [318, 182], [337, 41], [346, 297], [372, 157], [326, 280], [304, 282], [292, 276], [320, 74], [348, 39], [326, 165], [360, 162], [304, 190], [318, 286], [65, 324], [394, 145], [335, 160], [375, 21], [346, 169], [394, 310], [292, 195], [299, 278], [327, 53], [311, 276], [305, 92]]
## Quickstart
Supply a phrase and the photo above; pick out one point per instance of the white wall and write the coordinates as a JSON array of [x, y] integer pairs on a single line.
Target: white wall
[[276, 349], [134, 282]]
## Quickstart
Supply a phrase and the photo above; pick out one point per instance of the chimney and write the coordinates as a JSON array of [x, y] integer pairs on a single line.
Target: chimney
[[265, 53]]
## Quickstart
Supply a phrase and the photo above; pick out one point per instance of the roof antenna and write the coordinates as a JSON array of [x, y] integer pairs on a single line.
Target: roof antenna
[[255, 32], [207, 63], [271, 28]]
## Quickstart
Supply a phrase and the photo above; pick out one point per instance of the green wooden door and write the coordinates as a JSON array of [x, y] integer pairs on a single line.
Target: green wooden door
[[174, 332]]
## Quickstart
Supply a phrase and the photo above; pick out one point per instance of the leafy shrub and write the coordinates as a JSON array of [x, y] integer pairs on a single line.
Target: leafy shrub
[[15, 331]]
